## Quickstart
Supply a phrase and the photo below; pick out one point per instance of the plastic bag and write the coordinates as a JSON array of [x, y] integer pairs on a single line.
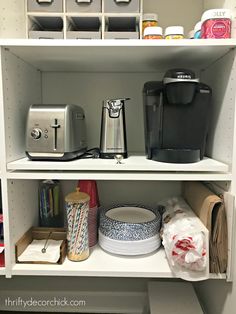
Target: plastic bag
[[185, 240]]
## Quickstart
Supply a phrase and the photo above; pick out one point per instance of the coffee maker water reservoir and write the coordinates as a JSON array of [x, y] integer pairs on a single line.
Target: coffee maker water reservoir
[[176, 117]]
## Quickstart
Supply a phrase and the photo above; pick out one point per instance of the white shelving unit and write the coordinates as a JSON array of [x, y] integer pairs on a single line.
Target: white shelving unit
[[87, 72], [36, 70]]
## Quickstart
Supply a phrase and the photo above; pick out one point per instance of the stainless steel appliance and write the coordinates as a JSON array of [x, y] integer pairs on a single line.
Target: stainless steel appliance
[[176, 117], [55, 132], [113, 131]]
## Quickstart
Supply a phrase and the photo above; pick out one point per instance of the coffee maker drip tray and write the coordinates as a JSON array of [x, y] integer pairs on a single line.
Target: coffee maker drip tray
[[182, 156]]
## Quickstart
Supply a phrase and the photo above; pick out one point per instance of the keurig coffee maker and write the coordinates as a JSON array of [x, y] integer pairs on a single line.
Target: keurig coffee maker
[[176, 115]]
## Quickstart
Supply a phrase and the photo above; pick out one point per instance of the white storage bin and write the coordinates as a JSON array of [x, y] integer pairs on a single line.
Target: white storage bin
[[45, 35], [122, 6], [45, 5], [121, 35], [90, 6], [83, 35], [84, 28], [44, 27], [121, 28]]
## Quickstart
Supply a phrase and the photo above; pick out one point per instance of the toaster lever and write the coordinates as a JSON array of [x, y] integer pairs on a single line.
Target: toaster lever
[[55, 126]]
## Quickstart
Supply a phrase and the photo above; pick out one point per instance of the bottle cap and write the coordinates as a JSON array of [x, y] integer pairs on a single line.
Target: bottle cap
[[150, 17], [198, 26], [77, 196], [153, 30], [216, 14], [174, 30]]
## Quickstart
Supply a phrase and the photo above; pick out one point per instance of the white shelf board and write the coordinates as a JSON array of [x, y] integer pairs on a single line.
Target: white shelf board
[[119, 176], [48, 14], [102, 264], [118, 55], [136, 163]]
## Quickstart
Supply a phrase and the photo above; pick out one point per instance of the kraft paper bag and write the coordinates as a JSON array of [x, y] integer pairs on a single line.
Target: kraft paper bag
[[210, 208]]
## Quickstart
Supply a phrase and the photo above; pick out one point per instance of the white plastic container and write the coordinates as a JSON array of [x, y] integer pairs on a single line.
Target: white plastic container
[[149, 20], [153, 32], [197, 30], [174, 32], [191, 34], [216, 23]]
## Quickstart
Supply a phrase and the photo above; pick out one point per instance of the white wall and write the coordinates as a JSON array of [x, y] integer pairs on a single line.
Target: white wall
[[90, 89], [182, 12], [12, 19]]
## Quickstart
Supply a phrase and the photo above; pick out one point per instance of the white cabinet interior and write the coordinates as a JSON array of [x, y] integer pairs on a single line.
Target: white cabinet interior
[[35, 72], [86, 73]]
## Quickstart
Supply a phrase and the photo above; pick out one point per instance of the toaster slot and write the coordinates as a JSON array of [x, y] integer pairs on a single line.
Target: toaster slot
[[55, 126]]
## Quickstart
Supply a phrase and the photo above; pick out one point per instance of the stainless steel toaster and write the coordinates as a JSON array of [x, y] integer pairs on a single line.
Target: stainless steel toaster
[[55, 132]]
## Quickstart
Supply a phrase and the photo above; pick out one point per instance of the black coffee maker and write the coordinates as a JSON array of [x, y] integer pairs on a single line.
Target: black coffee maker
[[176, 116]]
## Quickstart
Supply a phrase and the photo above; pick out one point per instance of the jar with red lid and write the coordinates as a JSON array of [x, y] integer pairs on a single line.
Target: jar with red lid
[[216, 23]]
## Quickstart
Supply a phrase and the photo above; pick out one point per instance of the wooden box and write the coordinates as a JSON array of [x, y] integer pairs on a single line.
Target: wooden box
[[38, 233]]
